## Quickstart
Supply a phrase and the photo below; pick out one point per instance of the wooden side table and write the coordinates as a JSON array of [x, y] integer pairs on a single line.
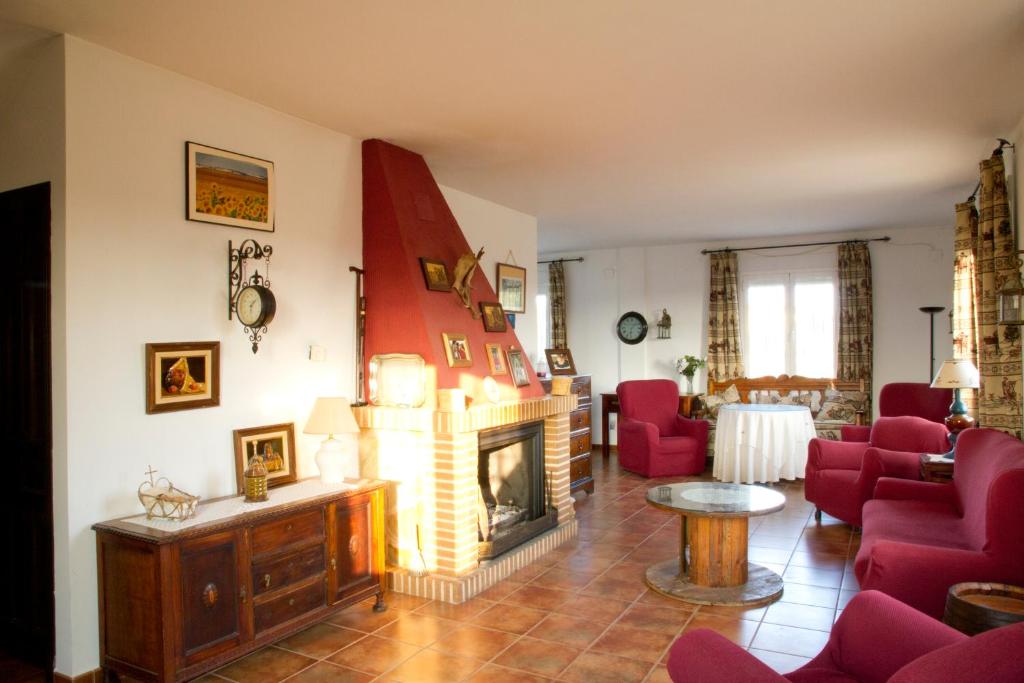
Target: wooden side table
[[610, 404], [975, 607], [936, 470]]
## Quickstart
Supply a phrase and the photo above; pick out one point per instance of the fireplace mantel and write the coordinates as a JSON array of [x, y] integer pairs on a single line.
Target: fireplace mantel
[[474, 419]]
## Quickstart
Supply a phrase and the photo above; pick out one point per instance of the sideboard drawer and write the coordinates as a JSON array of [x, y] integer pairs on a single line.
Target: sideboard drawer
[[291, 604], [579, 419], [579, 445], [282, 532], [281, 571], [579, 469]]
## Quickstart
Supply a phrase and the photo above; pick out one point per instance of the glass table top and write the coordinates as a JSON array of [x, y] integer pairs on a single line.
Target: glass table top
[[710, 498]]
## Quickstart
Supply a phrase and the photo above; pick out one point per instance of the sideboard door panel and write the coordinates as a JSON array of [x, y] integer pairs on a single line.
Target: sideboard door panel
[[210, 593], [352, 565]]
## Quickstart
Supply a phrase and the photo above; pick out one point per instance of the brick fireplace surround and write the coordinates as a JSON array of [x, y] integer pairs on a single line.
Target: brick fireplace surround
[[430, 459]]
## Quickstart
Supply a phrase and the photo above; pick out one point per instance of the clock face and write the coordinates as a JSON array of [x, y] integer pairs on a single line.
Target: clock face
[[632, 328], [250, 306]]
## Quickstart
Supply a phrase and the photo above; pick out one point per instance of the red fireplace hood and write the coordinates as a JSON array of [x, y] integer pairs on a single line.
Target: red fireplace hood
[[406, 217]]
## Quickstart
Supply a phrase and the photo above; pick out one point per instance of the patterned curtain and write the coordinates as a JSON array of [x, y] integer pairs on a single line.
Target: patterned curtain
[[724, 357], [856, 331], [999, 345], [965, 293], [556, 305]]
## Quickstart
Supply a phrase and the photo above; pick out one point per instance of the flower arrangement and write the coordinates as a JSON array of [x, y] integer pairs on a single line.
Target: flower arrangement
[[688, 365]]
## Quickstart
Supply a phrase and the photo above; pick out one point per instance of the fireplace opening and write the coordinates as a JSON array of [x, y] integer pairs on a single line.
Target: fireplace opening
[[514, 500]]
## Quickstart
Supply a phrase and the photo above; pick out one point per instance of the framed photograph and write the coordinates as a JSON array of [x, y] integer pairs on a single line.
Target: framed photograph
[[493, 317], [228, 189], [456, 348], [512, 288], [182, 376], [560, 361], [496, 359], [435, 273], [517, 366], [276, 443]]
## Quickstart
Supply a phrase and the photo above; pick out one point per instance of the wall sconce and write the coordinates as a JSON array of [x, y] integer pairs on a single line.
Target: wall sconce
[[665, 325], [1010, 295]]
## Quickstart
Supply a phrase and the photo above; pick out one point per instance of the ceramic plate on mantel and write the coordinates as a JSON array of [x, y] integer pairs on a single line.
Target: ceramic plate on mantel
[[397, 380]]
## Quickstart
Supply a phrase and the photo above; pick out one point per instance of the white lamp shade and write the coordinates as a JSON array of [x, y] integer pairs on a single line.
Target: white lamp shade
[[956, 374], [331, 415]]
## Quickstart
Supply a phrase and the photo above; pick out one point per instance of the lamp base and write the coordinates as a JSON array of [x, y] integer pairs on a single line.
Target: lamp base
[[336, 462]]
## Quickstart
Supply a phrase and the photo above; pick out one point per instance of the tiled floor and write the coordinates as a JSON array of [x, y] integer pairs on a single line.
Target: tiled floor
[[582, 613]]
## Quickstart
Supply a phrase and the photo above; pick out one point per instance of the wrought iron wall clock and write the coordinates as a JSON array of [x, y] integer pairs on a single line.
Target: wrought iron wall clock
[[250, 298]]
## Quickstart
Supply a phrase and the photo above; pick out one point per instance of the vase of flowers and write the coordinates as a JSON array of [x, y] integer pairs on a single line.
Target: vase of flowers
[[687, 366]]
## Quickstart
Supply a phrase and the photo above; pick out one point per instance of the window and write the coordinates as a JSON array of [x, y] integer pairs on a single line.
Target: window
[[789, 324]]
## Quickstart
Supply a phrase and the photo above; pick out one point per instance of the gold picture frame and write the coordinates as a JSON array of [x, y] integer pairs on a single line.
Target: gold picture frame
[[560, 361], [496, 359], [493, 316], [511, 286], [517, 368], [456, 349], [276, 443]]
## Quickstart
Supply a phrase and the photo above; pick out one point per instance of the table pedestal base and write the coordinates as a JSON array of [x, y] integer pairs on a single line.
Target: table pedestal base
[[763, 586]]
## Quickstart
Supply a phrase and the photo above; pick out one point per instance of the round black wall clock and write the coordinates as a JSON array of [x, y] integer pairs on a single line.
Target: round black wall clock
[[631, 328]]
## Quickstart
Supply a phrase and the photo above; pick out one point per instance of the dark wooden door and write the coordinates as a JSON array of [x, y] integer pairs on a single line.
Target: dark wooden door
[[26, 526], [352, 548], [212, 590]]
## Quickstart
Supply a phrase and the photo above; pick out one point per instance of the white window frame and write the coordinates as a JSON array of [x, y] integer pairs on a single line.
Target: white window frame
[[789, 278]]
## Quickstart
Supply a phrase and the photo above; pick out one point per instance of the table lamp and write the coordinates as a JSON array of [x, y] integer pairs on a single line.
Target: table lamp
[[957, 374], [330, 416]]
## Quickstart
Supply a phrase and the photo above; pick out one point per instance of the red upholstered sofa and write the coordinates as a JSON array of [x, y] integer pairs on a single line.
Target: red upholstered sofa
[[905, 398], [920, 538], [841, 475], [875, 639], [654, 439]]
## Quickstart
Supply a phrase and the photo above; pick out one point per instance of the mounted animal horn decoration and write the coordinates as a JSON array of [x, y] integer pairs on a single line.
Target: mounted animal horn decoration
[[462, 278]]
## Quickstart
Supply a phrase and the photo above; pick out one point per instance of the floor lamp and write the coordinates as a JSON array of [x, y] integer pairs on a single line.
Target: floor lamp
[[931, 311]]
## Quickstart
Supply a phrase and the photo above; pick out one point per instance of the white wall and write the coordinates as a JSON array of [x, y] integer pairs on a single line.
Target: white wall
[[500, 230], [913, 270], [138, 272]]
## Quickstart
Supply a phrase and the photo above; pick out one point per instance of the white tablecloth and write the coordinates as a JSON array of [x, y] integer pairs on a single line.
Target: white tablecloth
[[761, 443]]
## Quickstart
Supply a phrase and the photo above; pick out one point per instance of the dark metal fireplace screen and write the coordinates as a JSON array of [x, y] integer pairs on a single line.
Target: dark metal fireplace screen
[[514, 503]]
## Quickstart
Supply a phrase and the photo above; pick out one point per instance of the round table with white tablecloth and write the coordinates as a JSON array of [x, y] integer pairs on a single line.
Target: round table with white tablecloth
[[761, 443]]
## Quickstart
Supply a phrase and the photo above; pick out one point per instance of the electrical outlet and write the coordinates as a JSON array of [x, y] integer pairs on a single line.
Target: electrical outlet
[[317, 354]]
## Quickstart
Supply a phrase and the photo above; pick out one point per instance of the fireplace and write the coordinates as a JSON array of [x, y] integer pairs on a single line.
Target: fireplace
[[513, 503]]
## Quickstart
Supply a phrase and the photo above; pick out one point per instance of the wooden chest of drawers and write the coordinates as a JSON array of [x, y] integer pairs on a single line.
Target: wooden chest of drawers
[[580, 437], [177, 603]]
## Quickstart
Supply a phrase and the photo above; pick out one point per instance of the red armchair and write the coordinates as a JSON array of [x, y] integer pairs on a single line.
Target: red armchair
[[905, 398], [920, 537], [841, 475], [876, 638], [654, 439]]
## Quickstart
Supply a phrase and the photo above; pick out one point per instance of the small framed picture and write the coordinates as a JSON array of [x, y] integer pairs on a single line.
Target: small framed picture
[[493, 317], [560, 361], [512, 288], [496, 359], [435, 273], [276, 444], [228, 188], [517, 366], [456, 348], [182, 376]]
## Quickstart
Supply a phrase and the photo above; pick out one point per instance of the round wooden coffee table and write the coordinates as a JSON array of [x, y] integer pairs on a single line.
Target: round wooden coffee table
[[714, 527]]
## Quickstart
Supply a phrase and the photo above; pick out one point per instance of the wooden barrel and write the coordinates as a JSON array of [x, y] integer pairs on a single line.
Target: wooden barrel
[[975, 607]]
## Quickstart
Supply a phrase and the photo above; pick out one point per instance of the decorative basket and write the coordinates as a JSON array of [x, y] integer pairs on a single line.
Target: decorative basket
[[163, 501]]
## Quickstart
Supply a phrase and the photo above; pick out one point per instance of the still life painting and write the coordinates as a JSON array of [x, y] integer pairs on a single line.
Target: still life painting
[[275, 444], [180, 376]]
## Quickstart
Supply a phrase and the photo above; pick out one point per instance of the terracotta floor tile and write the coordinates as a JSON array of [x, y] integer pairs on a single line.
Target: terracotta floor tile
[[595, 667], [475, 642], [826, 578], [776, 555], [739, 631], [748, 613], [802, 616], [760, 540], [614, 588], [598, 609], [659, 675], [325, 672], [499, 590], [781, 663], [627, 538], [510, 618], [417, 629], [564, 579], [844, 598], [403, 601], [627, 571], [810, 595], [575, 631], [632, 643], [537, 656], [364, 619], [538, 597], [492, 673], [374, 655], [430, 666], [586, 561], [653, 618], [461, 612], [320, 640], [528, 573], [789, 640], [268, 665], [802, 558], [654, 598]]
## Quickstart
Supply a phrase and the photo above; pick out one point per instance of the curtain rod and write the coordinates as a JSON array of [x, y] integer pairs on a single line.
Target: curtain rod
[[786, 246], [578, 259]]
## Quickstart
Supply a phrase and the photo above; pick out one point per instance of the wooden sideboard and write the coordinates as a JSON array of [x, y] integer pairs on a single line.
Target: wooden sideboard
[[580, 438], [174, 604], [610, 404]]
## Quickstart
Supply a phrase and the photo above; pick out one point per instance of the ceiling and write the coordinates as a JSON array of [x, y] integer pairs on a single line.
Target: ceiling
[[619, 122]]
